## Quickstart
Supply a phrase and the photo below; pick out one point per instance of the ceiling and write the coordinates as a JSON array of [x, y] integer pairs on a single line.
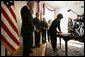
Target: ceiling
[[61, 4]]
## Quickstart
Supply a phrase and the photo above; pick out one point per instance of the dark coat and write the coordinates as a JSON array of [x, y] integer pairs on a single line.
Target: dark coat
[[52, 30], [27, 22], [37, 23], [44, 24]]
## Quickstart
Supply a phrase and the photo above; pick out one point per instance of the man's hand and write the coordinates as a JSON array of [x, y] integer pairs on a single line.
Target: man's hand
[[34, 28], [37, 30], [59, 32]]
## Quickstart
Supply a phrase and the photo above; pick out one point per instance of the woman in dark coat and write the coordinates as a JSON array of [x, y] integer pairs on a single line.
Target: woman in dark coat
[[52, 30]]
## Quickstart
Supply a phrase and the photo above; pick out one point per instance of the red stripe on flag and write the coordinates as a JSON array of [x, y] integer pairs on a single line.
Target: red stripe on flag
[[13, 14], [9, 20], [9, 33], [7, 43]]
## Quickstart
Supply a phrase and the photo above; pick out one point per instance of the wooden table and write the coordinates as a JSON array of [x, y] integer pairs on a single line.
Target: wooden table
[[66, 38]]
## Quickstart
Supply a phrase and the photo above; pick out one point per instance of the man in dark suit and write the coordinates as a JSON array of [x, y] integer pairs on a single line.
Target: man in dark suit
[[52, 31], [27, 27], [44, 28], [37, 26]]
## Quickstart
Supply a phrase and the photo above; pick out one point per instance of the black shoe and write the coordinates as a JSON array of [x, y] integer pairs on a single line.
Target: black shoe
[[44, 42], [33, 47], [37, 45], [31, 51]]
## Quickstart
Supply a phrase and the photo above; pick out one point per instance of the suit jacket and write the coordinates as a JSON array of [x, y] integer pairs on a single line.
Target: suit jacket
[[37, 23], [27, 22], [44, 24]]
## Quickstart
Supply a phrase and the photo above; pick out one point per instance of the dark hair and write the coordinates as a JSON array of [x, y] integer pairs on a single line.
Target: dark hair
[[60, 16], [36, 13]]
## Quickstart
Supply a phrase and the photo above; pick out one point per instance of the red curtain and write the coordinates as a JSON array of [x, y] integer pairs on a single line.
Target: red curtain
[[38, 6], [47, 8], [43, 9]]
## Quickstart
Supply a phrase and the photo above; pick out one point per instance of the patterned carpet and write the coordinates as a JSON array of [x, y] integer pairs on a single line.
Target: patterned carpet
[[75, 48]]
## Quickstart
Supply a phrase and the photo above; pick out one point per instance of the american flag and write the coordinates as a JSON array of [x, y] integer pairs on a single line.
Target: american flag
[[9, 28]]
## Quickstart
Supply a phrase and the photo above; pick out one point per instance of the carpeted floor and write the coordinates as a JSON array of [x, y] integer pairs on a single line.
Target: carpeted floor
[[37, 51], [75, 48]]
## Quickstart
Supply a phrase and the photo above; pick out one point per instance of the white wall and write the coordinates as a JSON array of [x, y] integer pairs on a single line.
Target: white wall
[[18, 6], [2, 50], [71, 5], [64, 21]]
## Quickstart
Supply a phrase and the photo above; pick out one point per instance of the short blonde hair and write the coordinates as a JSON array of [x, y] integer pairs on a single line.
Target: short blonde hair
[[30, 4]]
